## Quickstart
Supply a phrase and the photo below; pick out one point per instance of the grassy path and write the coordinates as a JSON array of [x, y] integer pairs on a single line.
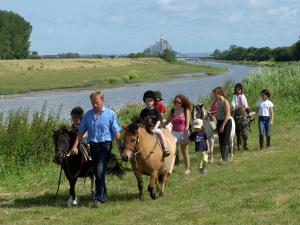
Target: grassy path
[[257, 187], [19, 76]]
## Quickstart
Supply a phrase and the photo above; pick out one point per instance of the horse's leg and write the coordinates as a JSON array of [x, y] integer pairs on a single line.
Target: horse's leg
[[139, 179], [153, 178], [158, 185], [238, 138], [163, 182], [177, 159], [245, 140], [211, 147], [72, 198]]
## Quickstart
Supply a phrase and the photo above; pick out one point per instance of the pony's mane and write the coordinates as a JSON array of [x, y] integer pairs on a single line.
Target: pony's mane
[[137, 123], [62, 129]]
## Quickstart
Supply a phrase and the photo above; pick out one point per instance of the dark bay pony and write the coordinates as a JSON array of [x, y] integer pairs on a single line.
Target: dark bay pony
[[78, 165], [144, 151], [243, 121]]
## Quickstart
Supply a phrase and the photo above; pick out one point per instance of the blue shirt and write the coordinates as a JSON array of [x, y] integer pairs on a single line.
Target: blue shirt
[[100, 129], [199, 138]]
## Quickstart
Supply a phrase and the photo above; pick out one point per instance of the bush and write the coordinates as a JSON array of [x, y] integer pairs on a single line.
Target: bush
[[131, 75], [112, 80]]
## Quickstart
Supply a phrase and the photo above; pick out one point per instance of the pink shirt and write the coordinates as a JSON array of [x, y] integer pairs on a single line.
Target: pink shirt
[[178, 122]]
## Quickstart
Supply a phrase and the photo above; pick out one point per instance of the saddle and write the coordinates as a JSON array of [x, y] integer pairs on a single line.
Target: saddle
[[85, 150]]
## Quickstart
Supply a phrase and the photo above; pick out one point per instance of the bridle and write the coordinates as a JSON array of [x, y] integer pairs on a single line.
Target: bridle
[[135, 153]]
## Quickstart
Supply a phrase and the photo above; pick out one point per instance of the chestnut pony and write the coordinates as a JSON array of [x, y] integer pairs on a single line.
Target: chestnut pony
[[144, 151]]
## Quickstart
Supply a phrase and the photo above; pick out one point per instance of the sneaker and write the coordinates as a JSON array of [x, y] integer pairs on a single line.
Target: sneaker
[[96, 204], [202, 171], [187, 172], [222, 162]]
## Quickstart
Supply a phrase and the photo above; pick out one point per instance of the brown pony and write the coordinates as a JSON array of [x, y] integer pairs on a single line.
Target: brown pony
[[144, 151]]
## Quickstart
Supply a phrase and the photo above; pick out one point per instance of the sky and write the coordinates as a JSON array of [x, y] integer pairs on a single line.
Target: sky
[[125, 26]]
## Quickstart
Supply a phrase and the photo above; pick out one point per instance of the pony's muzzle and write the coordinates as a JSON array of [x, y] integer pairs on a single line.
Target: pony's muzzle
[[126, 157]]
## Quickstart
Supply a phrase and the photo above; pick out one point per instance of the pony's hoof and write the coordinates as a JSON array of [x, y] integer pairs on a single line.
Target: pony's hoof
[[153, 196], [142, 198], [72, 202]]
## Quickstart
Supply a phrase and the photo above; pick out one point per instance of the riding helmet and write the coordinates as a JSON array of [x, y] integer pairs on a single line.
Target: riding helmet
[[149, 94], [158, 95], [77, 111]]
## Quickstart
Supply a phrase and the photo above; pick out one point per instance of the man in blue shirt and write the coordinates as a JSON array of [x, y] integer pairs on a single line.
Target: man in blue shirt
[[103, 127]]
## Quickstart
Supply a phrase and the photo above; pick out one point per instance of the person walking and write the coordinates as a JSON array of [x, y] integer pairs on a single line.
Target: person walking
[[180, 118], [103, 127], [224, 124], [264, 108]]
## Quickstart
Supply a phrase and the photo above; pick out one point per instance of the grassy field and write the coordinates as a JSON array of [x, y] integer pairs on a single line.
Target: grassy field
[[19, 76], [256, 187]]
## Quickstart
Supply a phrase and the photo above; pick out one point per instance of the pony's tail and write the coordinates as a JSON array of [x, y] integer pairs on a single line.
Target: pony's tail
[[114, 167]]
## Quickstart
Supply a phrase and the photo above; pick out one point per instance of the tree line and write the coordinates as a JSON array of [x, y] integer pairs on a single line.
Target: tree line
[[288, 53]]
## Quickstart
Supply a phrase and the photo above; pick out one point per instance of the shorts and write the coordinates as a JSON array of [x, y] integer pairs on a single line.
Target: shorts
[[180, 135]]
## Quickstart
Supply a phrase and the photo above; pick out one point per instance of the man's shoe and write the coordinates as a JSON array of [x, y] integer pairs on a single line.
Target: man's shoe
[[96, 204]]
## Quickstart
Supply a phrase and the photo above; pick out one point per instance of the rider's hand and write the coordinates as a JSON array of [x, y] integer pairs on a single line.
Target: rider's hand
[[74, 151]]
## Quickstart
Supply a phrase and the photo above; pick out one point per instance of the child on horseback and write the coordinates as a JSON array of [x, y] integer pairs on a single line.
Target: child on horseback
[[199, 137], [158, 103], [153, 116], [239, 99], [76, 116], [264, 108]]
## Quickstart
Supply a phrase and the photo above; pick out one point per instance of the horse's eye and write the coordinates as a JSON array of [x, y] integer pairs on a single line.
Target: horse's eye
[[133, 140]]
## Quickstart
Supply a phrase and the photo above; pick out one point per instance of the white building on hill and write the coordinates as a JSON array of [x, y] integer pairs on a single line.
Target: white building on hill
[[158, 47]]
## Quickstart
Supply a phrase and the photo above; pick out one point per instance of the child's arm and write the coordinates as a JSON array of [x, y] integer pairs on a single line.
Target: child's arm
[[271, 116], [157, 125]]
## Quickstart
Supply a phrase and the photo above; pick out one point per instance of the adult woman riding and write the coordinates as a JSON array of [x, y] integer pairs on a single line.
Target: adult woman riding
[[224, 124], [180, 119]]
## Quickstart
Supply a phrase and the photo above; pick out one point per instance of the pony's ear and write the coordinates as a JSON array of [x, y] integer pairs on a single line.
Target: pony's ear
[[201, 105]]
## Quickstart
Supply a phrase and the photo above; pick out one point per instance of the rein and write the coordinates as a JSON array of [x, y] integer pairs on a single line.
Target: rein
[[135, 154]]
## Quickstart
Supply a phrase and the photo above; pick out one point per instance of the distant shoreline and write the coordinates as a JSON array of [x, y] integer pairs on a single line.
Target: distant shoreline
[[19, 77]]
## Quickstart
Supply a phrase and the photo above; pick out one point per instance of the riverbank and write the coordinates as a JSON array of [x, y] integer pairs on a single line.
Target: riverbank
[[268, 63], [23, 76], [256, 187]]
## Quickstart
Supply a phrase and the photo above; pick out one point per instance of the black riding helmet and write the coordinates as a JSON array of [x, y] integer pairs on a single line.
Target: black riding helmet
[[77, 111], [158, 95], [149, 94]]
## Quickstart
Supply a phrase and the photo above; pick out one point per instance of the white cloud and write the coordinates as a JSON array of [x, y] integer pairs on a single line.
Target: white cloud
[[177, 6]]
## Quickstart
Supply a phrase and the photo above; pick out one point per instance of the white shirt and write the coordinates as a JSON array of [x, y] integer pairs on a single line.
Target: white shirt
[[264, 107], [235, 101]]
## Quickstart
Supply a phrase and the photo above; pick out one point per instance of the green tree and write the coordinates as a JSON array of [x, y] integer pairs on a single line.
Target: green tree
[[168, 55], [283, 54], [14, 36], [296, 50]]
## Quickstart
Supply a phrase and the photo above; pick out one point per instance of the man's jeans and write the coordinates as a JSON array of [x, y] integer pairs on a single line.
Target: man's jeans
[[100, 153]]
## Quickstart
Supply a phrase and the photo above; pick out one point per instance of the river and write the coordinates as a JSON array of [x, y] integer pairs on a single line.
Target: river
[[120, 96]]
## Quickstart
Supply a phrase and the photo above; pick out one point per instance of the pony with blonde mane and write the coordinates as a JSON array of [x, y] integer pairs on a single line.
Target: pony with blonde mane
[[143, 149]]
